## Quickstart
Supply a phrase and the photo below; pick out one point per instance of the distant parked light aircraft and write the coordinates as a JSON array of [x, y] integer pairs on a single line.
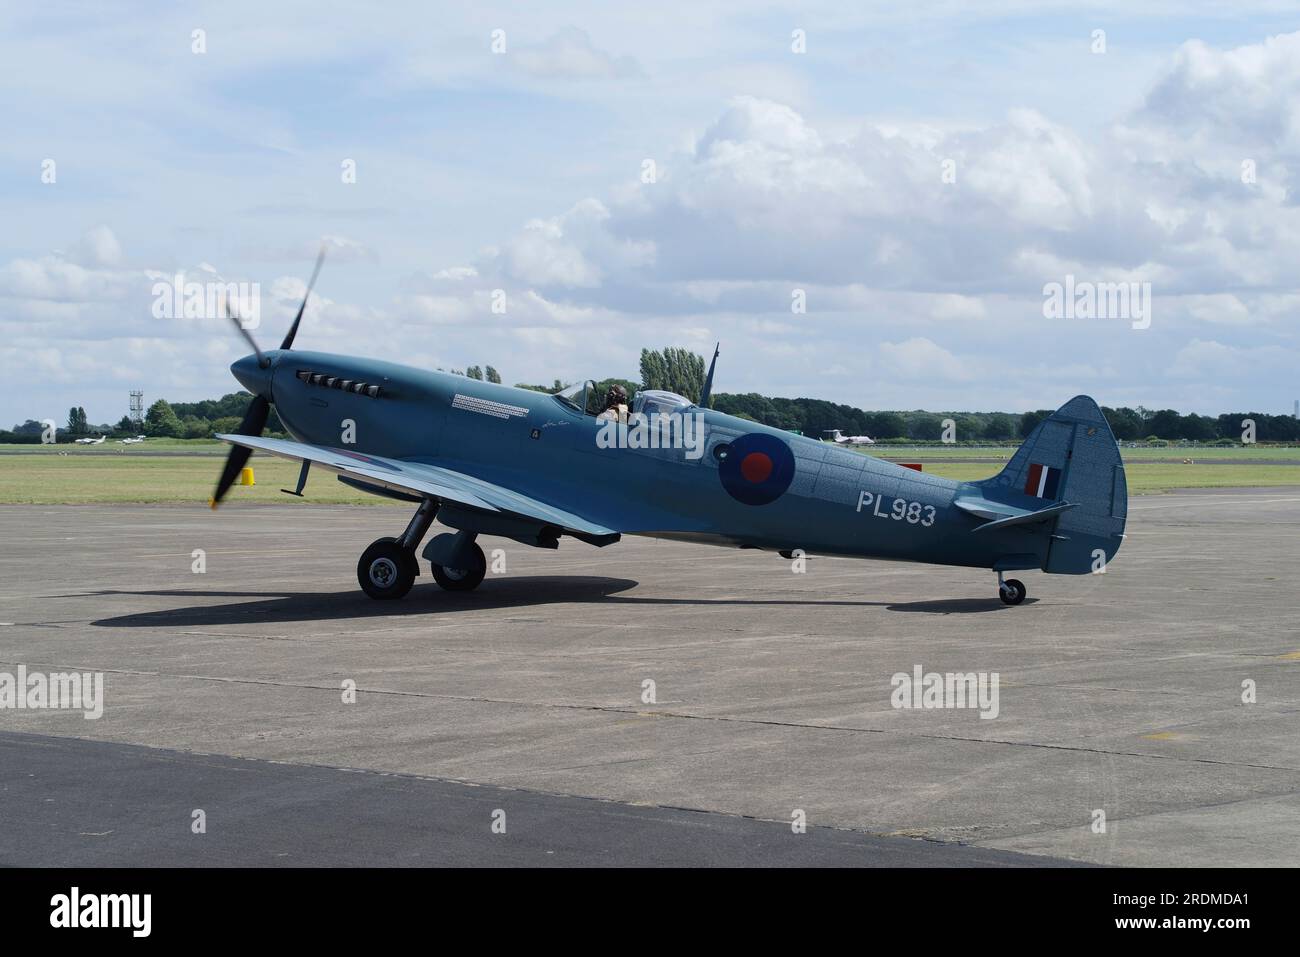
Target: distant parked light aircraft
[[487, 459], [133, 441], [98, 441], [839, 438]]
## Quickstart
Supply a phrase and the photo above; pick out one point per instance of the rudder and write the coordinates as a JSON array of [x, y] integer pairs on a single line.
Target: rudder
[[1071, 457]]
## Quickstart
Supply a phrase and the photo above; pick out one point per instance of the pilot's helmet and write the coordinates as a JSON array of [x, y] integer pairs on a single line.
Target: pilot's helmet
[[617, 395]]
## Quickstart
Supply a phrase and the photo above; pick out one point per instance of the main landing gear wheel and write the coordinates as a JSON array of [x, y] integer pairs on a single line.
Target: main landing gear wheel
[[462, 579], [387, 570], [1012, 591]]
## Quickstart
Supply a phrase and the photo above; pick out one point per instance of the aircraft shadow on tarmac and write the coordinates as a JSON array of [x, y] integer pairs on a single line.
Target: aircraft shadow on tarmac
[[428, 599]]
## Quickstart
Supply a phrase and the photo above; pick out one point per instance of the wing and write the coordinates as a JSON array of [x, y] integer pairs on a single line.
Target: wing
[[416, 477]]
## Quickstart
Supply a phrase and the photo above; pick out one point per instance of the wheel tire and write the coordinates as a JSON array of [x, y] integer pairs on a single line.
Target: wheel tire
[[386, 571], [462, 579], [1012, 591]]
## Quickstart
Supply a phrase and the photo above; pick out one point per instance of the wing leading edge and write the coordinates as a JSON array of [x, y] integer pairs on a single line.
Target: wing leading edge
[[441, 483]]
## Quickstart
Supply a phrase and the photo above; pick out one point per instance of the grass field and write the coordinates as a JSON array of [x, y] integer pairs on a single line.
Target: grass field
[[78, 479], [1245, 454], [920, 453], [114, 446], [44, 479], [1144, 479]]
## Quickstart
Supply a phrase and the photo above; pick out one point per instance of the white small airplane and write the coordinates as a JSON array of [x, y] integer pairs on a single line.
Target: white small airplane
[[135, 441], [98, 441], [839, 438]]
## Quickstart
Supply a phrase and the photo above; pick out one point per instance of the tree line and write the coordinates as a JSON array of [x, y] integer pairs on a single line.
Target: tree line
[[814, 416], [682, 371]]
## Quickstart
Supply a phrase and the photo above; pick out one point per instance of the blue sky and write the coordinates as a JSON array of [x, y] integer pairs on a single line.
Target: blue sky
[[776, 171]]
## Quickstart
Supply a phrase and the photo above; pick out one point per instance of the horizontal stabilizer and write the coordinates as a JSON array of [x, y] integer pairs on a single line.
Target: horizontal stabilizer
[[987, 508], [1026, 517]]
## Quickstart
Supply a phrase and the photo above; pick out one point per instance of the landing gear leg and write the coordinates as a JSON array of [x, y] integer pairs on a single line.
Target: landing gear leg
[[387, 568], [418, 525], [1011, 591]]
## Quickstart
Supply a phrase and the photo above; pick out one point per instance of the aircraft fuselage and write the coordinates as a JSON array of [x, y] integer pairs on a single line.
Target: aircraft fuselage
[[740, 484]]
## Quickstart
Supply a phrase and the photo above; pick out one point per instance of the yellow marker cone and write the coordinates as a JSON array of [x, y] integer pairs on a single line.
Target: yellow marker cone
[[246, 476]]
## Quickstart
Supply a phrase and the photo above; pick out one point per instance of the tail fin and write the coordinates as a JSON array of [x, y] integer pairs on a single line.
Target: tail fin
[[1070, 457]]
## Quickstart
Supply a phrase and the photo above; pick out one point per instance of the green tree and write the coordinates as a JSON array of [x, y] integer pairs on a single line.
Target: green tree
[[674, 369], [687, 370], [474, 372], [752, 406], [77, 424], [1166, 423], [970, 427], [654, 372], [161, 420], [887, 425], [556, 387], [999, 427], [1199, 428], [925, 426], [1124, 422], [493, 375], [1030, 420]]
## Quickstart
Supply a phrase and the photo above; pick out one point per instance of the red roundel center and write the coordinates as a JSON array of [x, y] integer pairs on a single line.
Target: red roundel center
[[756, 467]]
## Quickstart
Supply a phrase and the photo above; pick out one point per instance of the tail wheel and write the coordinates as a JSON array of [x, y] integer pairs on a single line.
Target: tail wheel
[[1012, 591], [463, 579], [386, 570]]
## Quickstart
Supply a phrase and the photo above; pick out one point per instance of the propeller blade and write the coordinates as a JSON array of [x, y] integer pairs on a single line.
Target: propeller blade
[[234, 317], [254, 422], [293, 329]]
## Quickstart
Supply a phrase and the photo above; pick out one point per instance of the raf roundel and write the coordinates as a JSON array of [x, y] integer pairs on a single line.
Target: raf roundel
[[756, 469]]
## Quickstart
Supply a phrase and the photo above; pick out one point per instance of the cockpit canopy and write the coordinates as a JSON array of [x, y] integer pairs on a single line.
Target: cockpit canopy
[[651, 401], [578, 396], [584, 397]]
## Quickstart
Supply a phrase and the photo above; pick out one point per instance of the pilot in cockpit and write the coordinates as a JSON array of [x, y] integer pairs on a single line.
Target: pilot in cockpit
[[615, 405]]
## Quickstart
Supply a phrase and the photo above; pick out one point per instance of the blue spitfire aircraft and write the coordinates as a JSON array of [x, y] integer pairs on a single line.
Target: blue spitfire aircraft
[[487, 459]]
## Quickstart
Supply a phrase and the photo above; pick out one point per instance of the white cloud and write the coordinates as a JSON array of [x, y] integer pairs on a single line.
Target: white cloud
[[574, 249], [1238, 96], [775, 172], [922, 359], [569, 54], [1211, 361], [99, 247], [1224, 308]]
